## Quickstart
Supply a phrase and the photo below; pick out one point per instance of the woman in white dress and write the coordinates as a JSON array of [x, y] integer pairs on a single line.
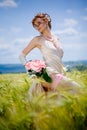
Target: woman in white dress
[[51, 51]]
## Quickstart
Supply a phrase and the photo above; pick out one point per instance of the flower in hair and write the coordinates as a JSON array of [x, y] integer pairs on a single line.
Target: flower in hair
[[48, 17]]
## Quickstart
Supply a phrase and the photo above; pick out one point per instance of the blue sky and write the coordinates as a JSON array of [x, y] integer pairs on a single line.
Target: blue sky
[[69, 23]]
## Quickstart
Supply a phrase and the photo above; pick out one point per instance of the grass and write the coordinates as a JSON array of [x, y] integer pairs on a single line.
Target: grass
[[56, 111]]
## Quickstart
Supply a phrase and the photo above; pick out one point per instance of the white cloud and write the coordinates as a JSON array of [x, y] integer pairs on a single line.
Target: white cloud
[[1, 29], [16, 29], [21, 41], [77, 45], [12, 50], [69, 28], [74, 51], [85, 18], [4, 46], [8, 3], [83, 35], [85, 9], [70, 22], [9, 52], [69, 11], [17, 44], [2, 43], [67, 31]]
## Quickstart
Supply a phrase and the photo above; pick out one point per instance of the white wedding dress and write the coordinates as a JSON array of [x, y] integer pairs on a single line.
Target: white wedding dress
[[53, 59]]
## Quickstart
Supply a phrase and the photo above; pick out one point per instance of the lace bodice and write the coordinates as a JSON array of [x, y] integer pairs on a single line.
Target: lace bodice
[[52, 57]]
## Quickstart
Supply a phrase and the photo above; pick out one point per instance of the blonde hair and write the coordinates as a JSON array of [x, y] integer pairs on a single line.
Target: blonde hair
[[43, 16]]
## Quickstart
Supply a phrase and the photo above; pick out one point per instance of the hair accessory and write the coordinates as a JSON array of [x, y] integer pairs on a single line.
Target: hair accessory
[[48, 17]]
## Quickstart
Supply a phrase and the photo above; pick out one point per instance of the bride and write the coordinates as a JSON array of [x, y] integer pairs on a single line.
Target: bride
[[52, 53]]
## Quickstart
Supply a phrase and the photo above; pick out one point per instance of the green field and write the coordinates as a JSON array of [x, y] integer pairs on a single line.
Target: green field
[[56, 111]]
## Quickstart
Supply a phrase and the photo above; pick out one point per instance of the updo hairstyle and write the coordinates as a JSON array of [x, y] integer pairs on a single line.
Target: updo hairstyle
[[44, 17]]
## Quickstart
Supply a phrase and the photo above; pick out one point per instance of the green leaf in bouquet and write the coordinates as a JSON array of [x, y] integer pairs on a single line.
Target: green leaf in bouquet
[[45, 76]]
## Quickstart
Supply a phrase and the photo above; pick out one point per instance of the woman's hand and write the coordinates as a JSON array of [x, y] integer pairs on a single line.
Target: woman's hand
[[22, 58]]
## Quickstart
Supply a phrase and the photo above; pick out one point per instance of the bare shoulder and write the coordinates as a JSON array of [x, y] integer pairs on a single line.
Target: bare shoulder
[[36, 39]]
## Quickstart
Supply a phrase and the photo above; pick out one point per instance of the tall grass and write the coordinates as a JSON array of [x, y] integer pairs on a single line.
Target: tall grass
[[54, 111]]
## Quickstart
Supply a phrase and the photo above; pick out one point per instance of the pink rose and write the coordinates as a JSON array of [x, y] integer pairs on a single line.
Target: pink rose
[[35, 65]]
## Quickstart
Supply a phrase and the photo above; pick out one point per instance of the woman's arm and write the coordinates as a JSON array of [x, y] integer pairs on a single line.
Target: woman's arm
[[27, 49], [30, 46]]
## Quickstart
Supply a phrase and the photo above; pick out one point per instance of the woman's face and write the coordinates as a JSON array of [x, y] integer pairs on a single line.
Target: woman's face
[[40, 25]]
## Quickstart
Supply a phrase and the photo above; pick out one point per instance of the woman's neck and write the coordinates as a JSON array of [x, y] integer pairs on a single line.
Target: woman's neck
[[47, 33], [49, 36]]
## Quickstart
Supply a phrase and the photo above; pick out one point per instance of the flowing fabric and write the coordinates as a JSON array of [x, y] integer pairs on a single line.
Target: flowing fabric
[[52, 57], [35, 87]]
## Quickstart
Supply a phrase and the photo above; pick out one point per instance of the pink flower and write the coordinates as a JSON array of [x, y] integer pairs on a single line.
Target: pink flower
[[35, 65]]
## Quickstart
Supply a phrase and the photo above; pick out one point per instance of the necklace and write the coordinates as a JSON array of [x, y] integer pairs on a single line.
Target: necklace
[[52, 39], [49, 38]]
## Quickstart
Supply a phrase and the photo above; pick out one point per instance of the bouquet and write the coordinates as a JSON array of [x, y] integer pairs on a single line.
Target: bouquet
[[38, 67]]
